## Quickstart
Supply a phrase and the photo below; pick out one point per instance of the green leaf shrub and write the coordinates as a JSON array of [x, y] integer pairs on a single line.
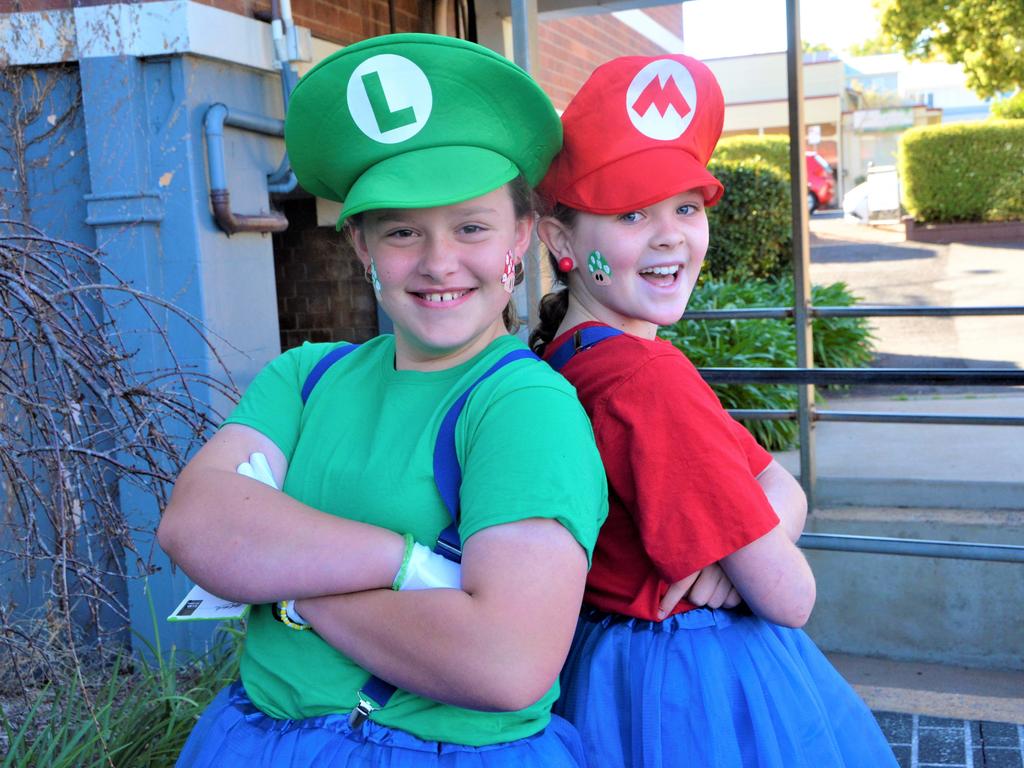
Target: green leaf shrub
[[136, 715], [750, 226], [964, 172], [1010, 108], [844, 342], [772, 150]]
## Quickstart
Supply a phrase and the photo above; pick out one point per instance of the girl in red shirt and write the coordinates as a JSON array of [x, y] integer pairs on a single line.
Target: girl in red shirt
[[667, 667]]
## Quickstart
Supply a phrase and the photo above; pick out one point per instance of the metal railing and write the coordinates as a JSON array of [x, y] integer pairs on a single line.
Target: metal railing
[[808, 414], [805, 376], [846, 376]]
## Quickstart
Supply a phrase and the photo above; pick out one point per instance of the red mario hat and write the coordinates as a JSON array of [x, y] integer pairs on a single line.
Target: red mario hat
[[641, 129]]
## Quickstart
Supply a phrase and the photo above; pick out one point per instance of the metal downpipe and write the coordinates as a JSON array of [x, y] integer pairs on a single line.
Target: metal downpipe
[[286, 50], [216, 117]]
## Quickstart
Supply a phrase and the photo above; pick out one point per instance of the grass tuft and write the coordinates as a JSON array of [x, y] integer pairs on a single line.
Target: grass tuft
[[137, 714]]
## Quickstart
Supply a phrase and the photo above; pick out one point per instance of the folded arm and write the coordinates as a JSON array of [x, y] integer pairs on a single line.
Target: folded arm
[[246, 541], [714, 588], [786, 497], [773, 578], [497, 644]]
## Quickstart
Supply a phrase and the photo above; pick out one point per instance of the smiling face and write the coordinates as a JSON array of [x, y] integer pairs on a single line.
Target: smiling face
[[440, 272], [653, 256]]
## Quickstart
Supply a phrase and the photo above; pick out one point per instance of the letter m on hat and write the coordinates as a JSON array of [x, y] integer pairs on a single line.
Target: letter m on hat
[[661, 96]]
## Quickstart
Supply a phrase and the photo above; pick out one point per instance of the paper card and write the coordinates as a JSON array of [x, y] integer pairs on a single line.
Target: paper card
[[200, 605]]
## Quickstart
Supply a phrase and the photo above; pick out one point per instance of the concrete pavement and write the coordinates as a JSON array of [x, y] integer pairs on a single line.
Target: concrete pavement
[[951, 691], [923, 465], [882, 268]]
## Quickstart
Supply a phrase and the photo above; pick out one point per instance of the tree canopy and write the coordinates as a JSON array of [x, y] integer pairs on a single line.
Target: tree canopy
[[880, 43], [986, 36], [815, 47]]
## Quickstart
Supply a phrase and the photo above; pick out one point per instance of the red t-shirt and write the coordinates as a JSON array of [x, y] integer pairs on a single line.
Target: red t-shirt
[[682, 487]]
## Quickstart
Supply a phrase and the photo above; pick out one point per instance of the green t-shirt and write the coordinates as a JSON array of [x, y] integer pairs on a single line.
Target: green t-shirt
[[362, 447]]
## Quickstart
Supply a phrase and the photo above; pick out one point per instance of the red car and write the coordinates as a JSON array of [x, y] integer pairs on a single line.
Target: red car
[[820, 182]]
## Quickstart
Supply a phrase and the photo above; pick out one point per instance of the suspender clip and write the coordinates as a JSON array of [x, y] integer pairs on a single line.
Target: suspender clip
[[447, 551], [360, 714]]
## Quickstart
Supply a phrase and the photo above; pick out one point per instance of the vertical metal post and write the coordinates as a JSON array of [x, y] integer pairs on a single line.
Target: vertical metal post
[[524, 22], [524, 53], [801, 246]]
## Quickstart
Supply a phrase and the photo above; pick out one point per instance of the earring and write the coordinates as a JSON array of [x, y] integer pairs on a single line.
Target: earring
[[600, 269], [566, 264], [370, 273], [508, 278]]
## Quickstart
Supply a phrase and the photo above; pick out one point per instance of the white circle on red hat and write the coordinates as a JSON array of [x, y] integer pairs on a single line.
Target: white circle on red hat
[[662, 100], [404, 87]]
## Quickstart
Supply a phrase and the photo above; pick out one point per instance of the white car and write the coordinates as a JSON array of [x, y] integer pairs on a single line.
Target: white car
[[855, 204], [877, 199]]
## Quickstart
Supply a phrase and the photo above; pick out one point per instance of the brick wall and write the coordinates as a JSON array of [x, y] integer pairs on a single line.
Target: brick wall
[[669, 16], [349, 21], [570, 49], [321, 292], [339, 21]]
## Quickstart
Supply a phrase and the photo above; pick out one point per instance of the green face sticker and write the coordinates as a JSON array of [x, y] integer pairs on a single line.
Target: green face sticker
[[600, 269]]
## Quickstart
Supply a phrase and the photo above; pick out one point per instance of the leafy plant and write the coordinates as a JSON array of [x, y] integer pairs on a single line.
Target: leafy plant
[[1010, 108], [751, 225], [964, 171], [838, 343], [135, 714], [771, 150]]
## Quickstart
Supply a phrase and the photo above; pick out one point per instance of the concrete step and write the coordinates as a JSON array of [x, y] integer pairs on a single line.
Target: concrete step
[[920, 465], [941, 715], [920, 609], [935, 690]]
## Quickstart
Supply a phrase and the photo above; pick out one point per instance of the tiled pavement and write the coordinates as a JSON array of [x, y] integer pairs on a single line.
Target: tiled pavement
[[920, 741]]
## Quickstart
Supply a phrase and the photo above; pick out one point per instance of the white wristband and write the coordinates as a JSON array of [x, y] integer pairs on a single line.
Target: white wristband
[[429, 570], [289, 608]]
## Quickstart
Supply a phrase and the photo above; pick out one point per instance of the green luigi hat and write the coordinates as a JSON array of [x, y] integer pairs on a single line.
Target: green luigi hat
[[417, 121]]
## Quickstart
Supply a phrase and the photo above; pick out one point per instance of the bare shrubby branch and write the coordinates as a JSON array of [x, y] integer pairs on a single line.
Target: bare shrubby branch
[[83, 427]]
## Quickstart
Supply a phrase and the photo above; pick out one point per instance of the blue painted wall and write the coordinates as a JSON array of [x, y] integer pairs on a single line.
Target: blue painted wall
[[126, 173], [43, 175]]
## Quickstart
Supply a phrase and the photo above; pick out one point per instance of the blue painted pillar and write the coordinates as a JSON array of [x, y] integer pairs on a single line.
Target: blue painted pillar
[[134, 112]]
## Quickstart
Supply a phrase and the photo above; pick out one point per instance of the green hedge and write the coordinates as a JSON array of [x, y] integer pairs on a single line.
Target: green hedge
[[839, 342], [750, 226], [772, 150], [964, 172]]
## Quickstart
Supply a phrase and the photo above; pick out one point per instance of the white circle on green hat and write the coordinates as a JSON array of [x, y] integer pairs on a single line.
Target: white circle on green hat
[[662, 99], [389, 98]]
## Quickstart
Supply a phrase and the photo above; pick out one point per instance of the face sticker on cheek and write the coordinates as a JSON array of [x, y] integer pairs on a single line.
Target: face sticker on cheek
[[600, 269], [508, 278], [374, 279]]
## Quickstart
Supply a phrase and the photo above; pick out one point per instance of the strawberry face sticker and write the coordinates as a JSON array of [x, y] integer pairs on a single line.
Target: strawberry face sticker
[[600, 269], [508, 278]]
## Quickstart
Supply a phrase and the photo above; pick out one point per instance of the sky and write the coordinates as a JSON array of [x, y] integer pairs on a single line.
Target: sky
[[711, 31]]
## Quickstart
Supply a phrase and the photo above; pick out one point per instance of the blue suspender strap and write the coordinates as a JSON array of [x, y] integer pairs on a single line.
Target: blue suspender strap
[[581, 340], [375, 692], [321, 368], [447, 472]]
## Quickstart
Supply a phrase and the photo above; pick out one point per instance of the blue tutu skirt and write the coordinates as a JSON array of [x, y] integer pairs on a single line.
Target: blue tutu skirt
[[233, 733], [712, 689]]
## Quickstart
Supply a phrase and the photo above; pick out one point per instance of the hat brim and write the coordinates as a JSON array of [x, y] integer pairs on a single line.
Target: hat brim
[[428, 178], [639, 180]]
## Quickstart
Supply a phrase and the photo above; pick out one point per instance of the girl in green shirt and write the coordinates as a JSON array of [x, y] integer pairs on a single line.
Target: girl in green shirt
[[432, 144]]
